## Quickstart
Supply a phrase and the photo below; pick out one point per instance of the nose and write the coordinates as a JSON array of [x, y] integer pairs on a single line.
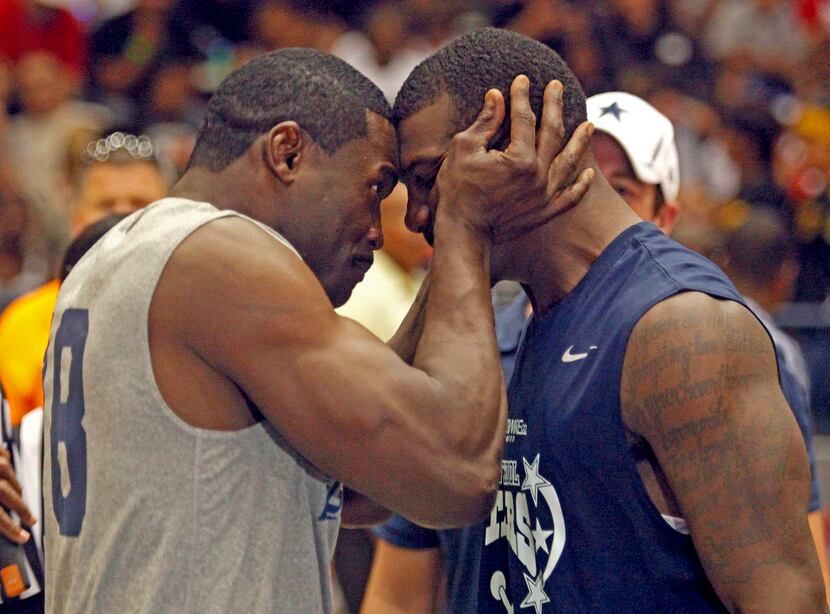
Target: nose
[[417, 213], [375, 236]]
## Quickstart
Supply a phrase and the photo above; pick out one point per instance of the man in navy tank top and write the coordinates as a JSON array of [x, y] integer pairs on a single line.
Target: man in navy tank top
[[651, 462]]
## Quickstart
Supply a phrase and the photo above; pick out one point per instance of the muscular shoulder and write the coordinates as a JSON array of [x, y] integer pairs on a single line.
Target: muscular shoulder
[[691, 349], [232, 272]]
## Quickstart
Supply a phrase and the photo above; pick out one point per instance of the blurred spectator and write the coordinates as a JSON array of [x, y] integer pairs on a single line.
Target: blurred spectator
[[295, 23], [766, 35], [173, 112], [801, 167], [201, 23], [39, 135], [385, 51], [639, 37], [121, 176], [42, 25], [20, 269], [125, 53]]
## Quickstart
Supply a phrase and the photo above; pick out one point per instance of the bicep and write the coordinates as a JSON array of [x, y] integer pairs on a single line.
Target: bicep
[[701, 385], [330, 387]]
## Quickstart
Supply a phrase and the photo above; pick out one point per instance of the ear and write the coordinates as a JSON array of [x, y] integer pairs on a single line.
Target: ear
[[667, 217], [284, 150]]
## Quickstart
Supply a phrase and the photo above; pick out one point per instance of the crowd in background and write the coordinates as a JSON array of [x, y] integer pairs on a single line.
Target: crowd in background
[[746, 83]]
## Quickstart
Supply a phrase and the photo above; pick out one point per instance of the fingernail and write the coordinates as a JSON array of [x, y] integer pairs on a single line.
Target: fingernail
[[591, 129], [24, 536]]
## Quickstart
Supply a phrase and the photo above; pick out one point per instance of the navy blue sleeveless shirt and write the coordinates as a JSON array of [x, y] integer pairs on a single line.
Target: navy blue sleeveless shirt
[[573, 529]]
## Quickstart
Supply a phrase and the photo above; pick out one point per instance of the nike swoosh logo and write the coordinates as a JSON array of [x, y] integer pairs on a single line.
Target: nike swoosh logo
[[568, 357]]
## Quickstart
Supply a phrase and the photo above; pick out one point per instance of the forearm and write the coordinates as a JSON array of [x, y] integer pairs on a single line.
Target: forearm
[[405, 340], [458, 347]]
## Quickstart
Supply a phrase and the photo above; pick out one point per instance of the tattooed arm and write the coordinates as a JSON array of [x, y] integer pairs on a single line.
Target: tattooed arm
[[700, 384]]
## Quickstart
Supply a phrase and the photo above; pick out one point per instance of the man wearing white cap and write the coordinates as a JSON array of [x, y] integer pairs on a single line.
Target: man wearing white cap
[[634, 147]]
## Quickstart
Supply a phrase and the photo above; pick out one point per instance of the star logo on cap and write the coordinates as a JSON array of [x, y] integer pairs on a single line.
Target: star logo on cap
[[613, 109]]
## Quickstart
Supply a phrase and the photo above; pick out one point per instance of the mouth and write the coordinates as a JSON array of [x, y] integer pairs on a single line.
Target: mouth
[[363, 261]]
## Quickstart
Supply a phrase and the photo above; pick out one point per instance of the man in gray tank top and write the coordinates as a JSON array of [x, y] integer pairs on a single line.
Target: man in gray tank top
[[204, 403]]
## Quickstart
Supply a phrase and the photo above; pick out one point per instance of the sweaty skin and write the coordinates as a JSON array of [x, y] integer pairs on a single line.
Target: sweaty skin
[[256, 328]]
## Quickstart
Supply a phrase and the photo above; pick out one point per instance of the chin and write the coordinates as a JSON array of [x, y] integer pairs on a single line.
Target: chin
[[338, 299]]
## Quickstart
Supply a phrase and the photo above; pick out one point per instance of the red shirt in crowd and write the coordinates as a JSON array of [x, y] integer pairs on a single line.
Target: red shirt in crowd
[[25, 27]]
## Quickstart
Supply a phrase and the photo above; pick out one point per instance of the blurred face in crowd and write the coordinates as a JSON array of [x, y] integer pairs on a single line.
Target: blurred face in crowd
[[644, 198], [42, 82], [116, 187]]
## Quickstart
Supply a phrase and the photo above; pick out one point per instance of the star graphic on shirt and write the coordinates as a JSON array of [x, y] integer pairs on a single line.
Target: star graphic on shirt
[[540, 536], [533, 481], [536, 593], [613, 109]]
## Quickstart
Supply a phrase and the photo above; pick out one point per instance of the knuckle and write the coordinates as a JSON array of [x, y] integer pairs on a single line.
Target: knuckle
[[525, 115]]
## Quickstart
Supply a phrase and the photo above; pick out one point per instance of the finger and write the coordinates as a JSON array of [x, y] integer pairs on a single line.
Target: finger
[[5, 452], [570, 196], [12, 530], [552, 129], [11, 500], [567, 161], [7, 473], [522, 119], [489, 120]]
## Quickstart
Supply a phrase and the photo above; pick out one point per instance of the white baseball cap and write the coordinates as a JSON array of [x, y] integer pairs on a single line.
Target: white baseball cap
[[646, 135]]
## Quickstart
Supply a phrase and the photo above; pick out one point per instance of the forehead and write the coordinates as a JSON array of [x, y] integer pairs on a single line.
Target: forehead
[[122, 178], [426, 135], [611, 157], [379, 146]]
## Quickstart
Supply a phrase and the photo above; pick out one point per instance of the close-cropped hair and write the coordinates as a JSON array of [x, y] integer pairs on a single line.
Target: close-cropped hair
[[483, 59], [325, 96]]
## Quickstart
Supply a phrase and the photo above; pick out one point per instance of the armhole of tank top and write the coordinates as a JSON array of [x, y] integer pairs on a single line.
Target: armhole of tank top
[[242, 434]]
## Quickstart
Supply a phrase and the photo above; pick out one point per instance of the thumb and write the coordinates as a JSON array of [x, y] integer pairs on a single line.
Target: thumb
[[489, 119]]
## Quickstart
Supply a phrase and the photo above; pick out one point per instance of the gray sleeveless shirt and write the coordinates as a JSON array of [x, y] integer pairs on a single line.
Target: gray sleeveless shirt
[[143, 512]]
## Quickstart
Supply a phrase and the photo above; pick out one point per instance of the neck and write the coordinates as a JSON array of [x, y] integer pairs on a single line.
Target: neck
[[572, 242], [233, 189]]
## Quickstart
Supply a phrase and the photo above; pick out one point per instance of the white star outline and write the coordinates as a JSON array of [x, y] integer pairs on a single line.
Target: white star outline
[[533, 481], [540, 537], [536, 595], [538, 540]]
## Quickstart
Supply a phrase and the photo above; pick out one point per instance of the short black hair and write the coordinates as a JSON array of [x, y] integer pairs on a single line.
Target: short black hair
[[483, 59], [323, 94]]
